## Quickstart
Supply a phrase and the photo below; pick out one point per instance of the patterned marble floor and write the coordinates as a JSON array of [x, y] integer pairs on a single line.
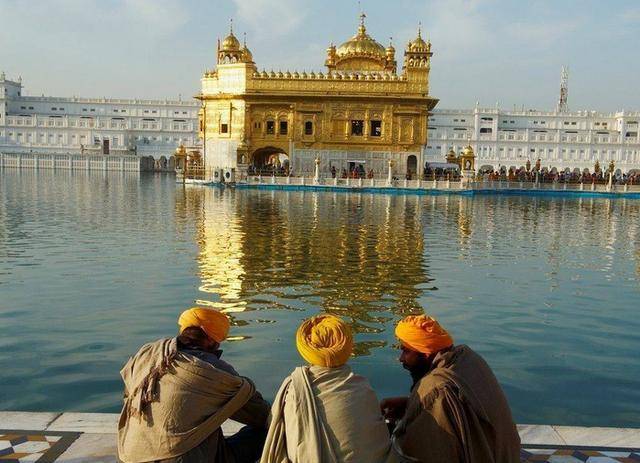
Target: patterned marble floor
[[47, 446], [34, 446], [580, 454]]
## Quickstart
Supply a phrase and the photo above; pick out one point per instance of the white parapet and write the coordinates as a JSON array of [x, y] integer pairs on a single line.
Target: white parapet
[[115, 162]]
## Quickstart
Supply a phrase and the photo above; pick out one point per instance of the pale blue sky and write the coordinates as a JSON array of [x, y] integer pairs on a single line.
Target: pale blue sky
[[509, 51]]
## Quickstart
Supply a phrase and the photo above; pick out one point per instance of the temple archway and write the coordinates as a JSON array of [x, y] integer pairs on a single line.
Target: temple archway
[[412, 165], [270, 158]]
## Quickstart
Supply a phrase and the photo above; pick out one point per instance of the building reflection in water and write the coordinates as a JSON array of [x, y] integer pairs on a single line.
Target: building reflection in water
[[368, 257], [359, 256]]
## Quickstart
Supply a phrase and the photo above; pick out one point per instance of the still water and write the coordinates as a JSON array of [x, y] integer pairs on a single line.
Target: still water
[[92, 265]]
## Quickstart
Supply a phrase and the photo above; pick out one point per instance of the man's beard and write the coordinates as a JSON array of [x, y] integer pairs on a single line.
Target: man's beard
[[419, 371]]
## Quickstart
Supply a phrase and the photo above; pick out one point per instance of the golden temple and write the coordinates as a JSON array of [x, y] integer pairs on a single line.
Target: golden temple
[[359, 113]]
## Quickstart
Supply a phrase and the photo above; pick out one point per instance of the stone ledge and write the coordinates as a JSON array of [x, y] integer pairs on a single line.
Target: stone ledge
[[33, 421], [94, 425]]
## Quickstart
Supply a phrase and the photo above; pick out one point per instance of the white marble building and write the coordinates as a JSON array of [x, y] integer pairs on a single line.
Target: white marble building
[[574, 140], [42, 124]]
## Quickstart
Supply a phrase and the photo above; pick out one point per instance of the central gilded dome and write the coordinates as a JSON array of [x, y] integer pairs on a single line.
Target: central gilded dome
[[361, 44], [361, 52]]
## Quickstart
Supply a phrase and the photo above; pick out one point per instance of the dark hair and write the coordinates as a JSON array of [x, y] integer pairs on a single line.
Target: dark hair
[[193, 337]]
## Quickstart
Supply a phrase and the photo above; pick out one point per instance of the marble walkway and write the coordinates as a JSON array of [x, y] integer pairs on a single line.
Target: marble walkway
[[90, 437]]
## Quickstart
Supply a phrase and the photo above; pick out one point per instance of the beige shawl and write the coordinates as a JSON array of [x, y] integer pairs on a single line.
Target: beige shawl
[[457, 413], [173, 402], [326, 415]]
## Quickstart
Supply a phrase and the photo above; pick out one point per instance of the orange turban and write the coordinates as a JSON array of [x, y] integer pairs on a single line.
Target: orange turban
[[423, 334], [215, 324], [325, 341]]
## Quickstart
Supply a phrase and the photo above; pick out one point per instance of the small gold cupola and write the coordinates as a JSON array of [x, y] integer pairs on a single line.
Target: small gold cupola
[[390, 53], [247, 57], [229, 50], [417, 60]]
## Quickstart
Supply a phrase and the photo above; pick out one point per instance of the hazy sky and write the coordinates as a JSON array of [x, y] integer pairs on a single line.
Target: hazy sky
[[509, 51]]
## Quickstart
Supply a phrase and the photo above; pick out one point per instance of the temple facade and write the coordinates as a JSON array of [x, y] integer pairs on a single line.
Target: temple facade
[[360, 113]]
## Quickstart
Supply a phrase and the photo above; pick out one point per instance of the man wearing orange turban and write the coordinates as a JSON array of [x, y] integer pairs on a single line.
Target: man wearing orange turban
[[178, 392], [457, 411], [323, 412]]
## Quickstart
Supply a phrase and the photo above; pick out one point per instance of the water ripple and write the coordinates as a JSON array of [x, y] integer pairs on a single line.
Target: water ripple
[[92, 265]]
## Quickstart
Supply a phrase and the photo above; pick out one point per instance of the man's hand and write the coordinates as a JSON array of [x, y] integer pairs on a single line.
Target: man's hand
[[393, 408]]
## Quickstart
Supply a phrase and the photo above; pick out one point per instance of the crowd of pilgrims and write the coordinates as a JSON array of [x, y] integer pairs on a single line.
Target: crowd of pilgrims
[[546, 176], [512, 175], [178, 392]]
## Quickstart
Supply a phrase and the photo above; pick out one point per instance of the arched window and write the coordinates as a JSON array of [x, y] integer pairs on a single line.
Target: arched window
[[270, 127], [308, 128]]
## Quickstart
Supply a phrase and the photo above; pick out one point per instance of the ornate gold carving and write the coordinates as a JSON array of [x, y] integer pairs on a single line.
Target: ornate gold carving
[[361, 84]]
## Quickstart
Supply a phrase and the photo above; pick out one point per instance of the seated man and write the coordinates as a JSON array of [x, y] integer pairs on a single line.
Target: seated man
[[177, 394], [457, 411], [323, 412]]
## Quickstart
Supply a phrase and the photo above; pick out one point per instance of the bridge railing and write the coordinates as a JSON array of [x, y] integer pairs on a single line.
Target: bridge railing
[[438, 184]]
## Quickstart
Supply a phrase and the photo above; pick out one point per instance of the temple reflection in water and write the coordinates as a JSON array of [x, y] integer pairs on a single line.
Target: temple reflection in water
[[317, 252], [367, 257]]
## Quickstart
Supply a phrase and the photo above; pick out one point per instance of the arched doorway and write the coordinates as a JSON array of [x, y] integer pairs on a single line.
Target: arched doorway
[[412, 166], [269, 160]]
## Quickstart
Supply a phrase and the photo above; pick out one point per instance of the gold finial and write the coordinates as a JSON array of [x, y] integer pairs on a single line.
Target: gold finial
[[244, 39], [420, 29], [230, 26], [361, 29]]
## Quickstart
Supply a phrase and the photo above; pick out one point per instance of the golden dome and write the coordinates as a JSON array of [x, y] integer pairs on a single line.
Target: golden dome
[[468, 151], [361, 45], [230, 43], [418, 44], [246, 54]]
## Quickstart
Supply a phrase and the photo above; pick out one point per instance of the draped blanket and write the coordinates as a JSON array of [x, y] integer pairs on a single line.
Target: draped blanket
[[173, 402], [326, 415], [457, 413]]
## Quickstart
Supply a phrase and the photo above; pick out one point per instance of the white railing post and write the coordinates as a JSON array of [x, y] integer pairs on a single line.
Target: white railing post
[[316, 173]]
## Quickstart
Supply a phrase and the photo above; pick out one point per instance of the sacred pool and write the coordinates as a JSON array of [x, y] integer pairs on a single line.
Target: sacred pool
[[93, 265]]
